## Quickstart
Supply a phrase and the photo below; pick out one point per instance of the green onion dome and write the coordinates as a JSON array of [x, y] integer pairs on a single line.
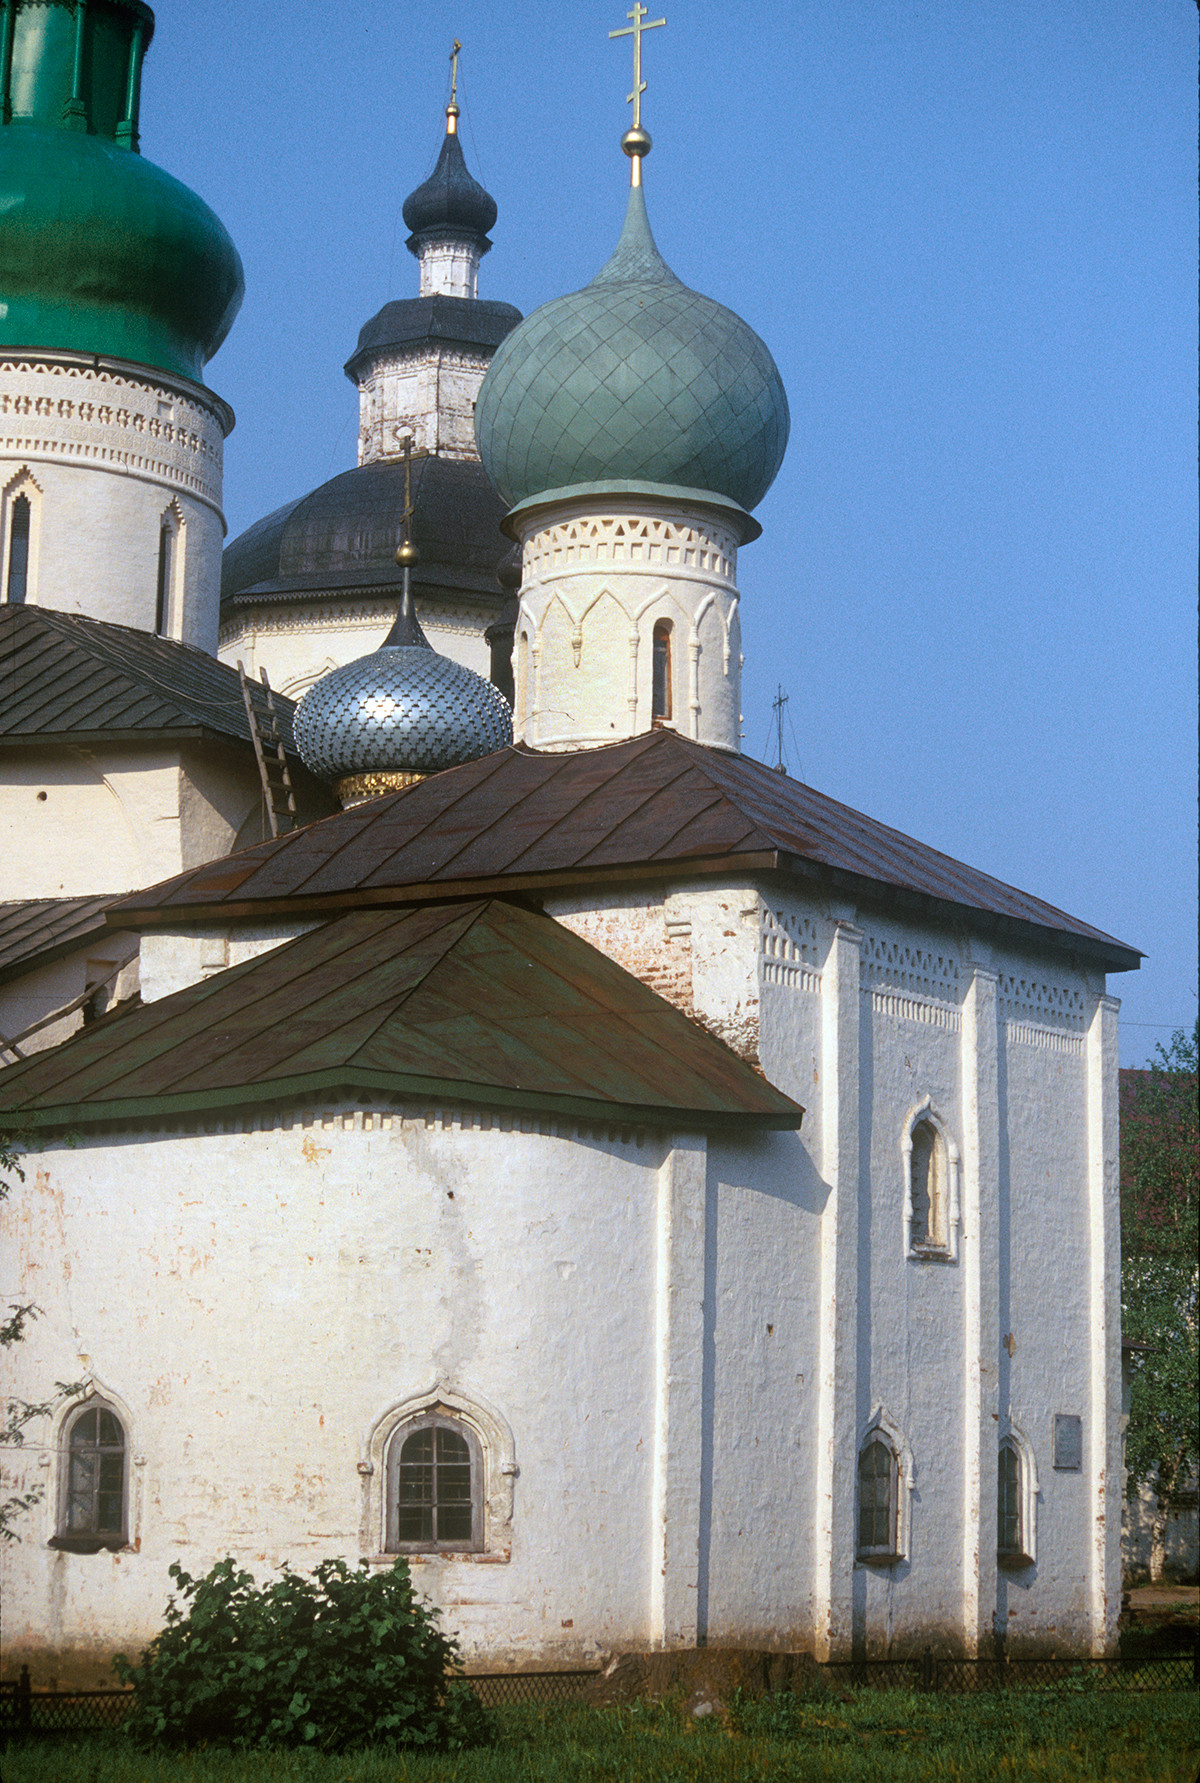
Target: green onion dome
[[100, 251], [634, 380], [103, 252]]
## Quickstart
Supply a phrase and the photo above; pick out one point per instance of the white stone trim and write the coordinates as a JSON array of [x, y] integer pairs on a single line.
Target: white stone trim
[[881, 1423], [1013, 1436], [110, 420], [924, 1111], [22, 482], [497, 1448]]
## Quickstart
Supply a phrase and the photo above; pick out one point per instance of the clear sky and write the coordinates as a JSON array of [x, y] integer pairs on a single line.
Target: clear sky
[[967, 231]]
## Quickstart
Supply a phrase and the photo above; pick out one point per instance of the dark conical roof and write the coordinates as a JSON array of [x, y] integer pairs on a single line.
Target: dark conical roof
[[450, 198]]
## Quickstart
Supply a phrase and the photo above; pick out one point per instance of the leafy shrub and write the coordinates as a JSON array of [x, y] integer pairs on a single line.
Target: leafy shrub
[[344, 1658]]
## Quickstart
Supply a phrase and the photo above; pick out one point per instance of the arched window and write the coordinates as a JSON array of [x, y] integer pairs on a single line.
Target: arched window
[[93, 1513], [166, 575], [931, 1209], [524, 666], [1016, 1491], [660, 693], [20, 518], [434, 1488], [878, 1500]]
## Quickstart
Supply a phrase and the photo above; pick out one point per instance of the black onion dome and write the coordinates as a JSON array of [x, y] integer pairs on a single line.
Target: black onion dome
[[450, 199]]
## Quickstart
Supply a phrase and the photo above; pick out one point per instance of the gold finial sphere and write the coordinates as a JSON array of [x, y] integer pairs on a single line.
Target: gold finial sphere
[[636, 142], [407, 554]]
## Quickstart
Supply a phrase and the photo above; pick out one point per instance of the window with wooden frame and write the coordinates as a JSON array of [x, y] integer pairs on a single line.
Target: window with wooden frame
[[878, 1500], [93, 1512], [660, 692], [434, 1488]]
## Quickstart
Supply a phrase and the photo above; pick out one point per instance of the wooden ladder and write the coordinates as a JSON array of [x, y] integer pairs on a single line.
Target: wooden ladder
[[278, 795]]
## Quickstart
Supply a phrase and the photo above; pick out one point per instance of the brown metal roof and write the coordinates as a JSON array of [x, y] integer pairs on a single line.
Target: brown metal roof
[[38, 930], [520, 820], [66, 676], [482, 1002]]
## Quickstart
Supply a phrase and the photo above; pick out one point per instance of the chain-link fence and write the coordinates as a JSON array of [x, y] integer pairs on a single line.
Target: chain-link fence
[[26, 1713], [928, 1671]]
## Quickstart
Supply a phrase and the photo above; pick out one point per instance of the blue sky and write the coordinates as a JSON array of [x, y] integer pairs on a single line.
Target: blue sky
[[965, 228]]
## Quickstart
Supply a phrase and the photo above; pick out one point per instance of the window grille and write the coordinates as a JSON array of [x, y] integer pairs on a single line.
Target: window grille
[[878, 1500], [435, 1488]]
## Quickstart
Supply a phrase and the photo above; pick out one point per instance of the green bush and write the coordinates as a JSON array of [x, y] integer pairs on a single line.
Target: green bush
[[344, 1658]]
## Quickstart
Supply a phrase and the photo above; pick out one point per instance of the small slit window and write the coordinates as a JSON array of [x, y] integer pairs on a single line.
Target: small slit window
[[878, 1500], [94, 1497], [19, 526], [660, 699], [435, 1488], [166, 573]]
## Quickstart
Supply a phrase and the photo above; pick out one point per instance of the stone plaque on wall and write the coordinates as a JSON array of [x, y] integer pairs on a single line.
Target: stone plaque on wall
[[1068, 1442]]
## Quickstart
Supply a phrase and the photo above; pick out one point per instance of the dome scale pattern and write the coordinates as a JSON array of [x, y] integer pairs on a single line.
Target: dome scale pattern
[[634, 378], [404, 708]]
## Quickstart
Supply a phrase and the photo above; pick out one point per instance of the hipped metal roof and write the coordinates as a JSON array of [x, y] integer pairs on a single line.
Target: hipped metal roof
[[63, 676], [483, 1002], [37, 930], [653, 807]]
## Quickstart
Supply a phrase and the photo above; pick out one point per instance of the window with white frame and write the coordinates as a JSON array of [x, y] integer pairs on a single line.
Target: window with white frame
[[884, 1487], [1016, 1498], [94, 1497], [931, 1194], [20, 513], [434, 1487]]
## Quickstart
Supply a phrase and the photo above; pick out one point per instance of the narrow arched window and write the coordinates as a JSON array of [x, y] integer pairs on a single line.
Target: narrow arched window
[[94, 1496], [19, 523], [166, 575], [524, 693], [1014, 1506], [928, 1189], [878, 1500], [660, 696], [435, 1488]]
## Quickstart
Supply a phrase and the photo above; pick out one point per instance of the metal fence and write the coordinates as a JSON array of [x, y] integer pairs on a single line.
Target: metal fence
[[958, 1677], [26, 1713]]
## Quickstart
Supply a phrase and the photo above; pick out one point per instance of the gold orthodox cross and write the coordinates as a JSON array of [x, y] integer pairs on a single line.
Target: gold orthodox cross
[[454, 72], [635, 30]]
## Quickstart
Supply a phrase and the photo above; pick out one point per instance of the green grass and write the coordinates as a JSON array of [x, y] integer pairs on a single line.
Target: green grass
[[893, 1736]]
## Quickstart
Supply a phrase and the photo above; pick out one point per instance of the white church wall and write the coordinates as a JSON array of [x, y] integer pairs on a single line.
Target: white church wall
[[77, 822], [107, 962], [254, 1301], [114, 453], [298, 644], [760, 1474], [171, 959]]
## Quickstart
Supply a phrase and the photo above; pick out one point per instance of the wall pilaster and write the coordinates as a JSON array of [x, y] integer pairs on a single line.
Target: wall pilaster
[[837, 1415], [1103, 1442], [678, 1394], [980, 1262]]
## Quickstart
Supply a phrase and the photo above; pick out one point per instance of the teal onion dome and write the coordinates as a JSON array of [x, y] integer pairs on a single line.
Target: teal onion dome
[[634, 380]]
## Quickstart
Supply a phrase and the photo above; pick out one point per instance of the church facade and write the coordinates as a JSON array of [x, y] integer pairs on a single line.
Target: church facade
[[666, 1206]]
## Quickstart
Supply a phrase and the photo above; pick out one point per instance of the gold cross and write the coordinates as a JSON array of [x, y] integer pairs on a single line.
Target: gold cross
[[635, 31], [454, 72]]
